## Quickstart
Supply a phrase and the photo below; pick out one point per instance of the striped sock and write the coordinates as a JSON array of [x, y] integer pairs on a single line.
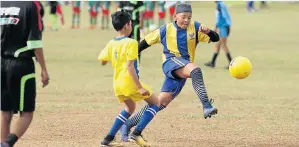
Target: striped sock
[[148, 115], [133, 121], [119, 121], [199, 87]]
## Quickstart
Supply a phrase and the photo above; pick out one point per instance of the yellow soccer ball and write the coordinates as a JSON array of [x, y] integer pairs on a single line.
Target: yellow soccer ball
[[240, 67]]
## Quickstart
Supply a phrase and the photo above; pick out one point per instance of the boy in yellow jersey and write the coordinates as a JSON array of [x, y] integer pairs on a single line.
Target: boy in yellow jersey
[[179, 40], [122, 51]]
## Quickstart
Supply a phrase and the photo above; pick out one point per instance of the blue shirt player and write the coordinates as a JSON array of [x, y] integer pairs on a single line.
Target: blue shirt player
[[223, 25]]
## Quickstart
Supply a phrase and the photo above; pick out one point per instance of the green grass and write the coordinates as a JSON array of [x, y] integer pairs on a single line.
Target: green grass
[[78, 107]]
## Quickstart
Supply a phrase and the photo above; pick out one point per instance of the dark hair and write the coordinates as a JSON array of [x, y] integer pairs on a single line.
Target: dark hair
[[120, 19]]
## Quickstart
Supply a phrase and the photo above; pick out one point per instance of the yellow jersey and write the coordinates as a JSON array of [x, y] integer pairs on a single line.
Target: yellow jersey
[[178, 42], [119, 51]]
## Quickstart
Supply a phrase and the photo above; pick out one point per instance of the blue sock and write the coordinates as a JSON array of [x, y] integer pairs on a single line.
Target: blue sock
[[119, 121], [147, 117]]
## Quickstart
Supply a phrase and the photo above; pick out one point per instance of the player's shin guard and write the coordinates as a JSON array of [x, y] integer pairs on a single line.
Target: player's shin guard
[[199, 87], [133, 121], [148, 115], [119, 121]]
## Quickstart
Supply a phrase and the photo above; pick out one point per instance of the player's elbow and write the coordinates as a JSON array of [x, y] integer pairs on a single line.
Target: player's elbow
[[214, 37]]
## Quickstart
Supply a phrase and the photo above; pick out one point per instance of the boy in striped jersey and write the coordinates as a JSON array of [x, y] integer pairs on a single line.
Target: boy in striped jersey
[[179, 40]]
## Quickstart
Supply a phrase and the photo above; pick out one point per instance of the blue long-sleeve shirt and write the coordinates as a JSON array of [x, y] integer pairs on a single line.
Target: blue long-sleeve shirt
[[222, 15]]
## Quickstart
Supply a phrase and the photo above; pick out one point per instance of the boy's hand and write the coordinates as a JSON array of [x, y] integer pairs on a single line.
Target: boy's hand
[[143, 91], [204, 29], [104, 62], [45, 78]]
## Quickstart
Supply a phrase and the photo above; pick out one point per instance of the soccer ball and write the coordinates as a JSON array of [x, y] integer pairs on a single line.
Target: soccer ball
[[240, 67]]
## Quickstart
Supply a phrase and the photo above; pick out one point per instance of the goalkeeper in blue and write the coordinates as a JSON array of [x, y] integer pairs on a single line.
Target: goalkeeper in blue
[[179, 40]]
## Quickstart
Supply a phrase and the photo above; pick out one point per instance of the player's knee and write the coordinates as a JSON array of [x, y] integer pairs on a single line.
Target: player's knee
[[190, 68], [185, 71], [196, 71], [165, 98], [153, 100], [27, 114], [130, 110]]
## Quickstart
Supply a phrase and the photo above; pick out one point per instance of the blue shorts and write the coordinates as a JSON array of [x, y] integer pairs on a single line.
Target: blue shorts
[[172, 83], [224, 31]]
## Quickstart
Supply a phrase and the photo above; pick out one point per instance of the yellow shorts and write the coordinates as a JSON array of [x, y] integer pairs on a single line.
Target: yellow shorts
[[136, 96]]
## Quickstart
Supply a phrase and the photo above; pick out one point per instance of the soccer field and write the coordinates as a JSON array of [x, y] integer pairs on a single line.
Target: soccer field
[[78, 107]]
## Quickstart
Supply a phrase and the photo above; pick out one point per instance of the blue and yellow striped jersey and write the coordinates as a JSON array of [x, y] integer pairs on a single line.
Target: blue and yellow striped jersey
[[178, 42], [119, 51]]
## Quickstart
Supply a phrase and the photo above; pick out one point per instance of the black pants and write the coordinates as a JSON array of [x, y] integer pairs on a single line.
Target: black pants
[[53, 8], [18, 87], [135, 34]]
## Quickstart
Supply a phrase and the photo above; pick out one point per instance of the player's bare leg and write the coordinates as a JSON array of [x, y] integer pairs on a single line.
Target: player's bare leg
[[215, 54], [5, 124], [226, 50], [23, 123], [20, 128], [165, 98], [130, 106], [217, 50], [194, 72]]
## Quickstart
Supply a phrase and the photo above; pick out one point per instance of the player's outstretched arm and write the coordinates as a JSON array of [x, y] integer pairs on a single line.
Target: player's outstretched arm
[[150, 39]]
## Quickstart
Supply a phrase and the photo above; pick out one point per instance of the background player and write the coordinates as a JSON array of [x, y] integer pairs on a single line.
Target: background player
[[223, 25], [53, 15], [135, 8], [76, 14], [93, 8], [60, 13], [17, 66], [148, 15], [161, 12], [123, 53], [105, 14]]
